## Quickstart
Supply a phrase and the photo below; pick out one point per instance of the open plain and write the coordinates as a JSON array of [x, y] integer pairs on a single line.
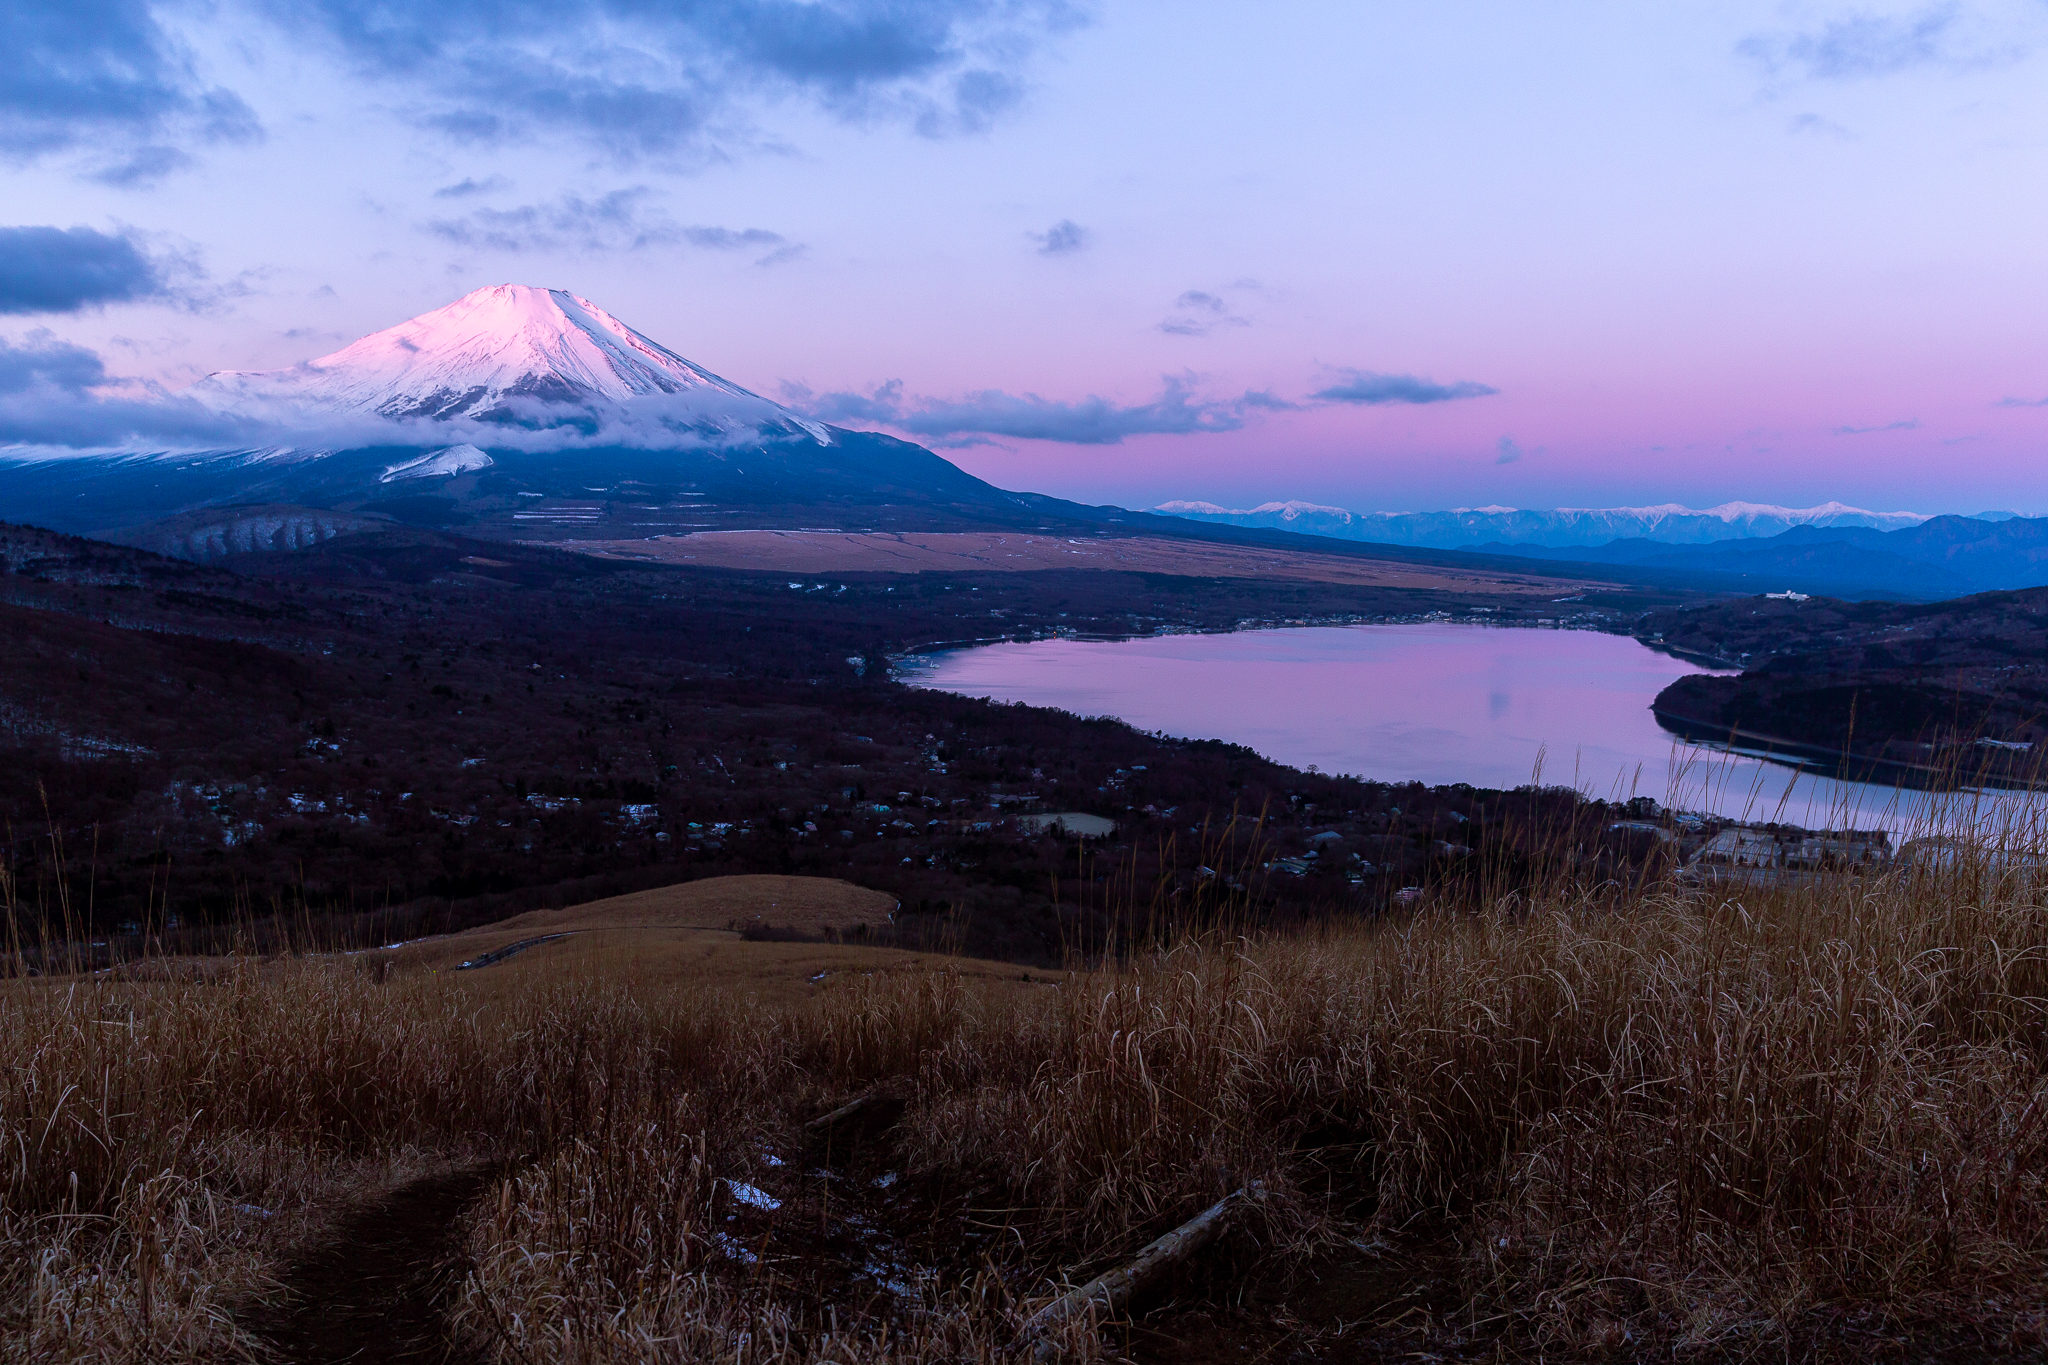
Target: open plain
[[1023, 552]]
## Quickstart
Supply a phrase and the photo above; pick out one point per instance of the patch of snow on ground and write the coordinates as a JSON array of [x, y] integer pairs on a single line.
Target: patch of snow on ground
[[753, 1197]]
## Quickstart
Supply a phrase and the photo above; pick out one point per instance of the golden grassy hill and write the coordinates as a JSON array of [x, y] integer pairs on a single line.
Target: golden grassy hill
[[692, 934]]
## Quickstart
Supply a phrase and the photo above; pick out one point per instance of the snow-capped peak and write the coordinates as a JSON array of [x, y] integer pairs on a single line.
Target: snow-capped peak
[[1291, 510], [490, 347]]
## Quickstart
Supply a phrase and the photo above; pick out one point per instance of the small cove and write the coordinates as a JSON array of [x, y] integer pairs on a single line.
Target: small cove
[[1438, 703]]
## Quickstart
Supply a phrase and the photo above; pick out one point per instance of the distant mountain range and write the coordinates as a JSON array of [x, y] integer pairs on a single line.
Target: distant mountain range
[[1500, 527], [1942, 557], [1832, 549]]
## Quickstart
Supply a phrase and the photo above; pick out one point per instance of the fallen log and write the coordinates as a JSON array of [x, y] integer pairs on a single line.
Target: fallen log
[[866, 1099], [1110, 1292]]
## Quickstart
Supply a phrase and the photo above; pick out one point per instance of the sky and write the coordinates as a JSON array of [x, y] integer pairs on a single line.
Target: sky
[[1382, 257]]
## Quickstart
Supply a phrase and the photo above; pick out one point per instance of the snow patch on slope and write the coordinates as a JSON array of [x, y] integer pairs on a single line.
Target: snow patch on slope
[[454, 460]]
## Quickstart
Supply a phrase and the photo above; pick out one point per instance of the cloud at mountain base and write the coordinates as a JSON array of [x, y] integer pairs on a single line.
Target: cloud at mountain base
[[57, 399]]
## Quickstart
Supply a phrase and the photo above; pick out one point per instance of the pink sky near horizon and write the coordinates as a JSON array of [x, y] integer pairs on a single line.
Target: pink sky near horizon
[[1758, 251]]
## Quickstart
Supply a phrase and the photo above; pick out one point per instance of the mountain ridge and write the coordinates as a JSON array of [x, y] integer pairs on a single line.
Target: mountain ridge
[[1462, 527], [1946, 556]]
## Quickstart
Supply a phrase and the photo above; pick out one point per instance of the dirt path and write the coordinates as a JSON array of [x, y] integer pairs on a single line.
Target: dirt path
[[377, 1291]]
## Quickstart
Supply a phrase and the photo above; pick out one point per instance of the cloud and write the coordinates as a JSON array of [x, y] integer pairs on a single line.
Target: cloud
[[978, 98], [981, 416], [2023, 403], [103, 77], [972, 419], [1911, 425], [678, 81], [674, 82], [1367, 387], [883, 403], [57, 395], [1815, 125], [619, 221], [42, 361], [1859, 46], [777, 247], [63, 270], [140, 167], [1061, 239], [1269, 401], [1506, 451], [468, 187], [1201, 312]]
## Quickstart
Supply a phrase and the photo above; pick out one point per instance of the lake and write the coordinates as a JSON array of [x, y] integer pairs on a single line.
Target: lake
[[1435, 703]]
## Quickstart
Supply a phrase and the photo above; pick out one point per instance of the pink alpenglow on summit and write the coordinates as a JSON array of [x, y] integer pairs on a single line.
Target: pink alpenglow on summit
[[493, 352]]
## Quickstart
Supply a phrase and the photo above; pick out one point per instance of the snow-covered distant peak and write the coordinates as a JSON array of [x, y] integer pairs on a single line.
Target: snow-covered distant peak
[[1822, 515], [1287, 511], [1750, 511], [1291, 510], [488, 348]]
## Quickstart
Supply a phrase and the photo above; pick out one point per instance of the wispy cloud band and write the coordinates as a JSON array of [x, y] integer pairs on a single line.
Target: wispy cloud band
[[623, 220], [1179, 410], [1370, 388]]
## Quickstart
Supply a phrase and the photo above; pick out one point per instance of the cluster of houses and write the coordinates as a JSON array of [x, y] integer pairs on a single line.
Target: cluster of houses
[[1794, 850], [1709, 846]]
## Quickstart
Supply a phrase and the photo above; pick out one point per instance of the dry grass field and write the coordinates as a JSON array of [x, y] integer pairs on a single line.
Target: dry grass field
[[1805, 1124], [759, 935], [1022, 552]]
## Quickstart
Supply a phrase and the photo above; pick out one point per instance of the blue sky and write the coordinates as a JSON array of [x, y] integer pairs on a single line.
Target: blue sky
[[1376, 256]]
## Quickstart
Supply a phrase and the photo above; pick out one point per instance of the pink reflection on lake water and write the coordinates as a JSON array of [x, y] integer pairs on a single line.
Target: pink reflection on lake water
[[1434, 703], [1430, 703]]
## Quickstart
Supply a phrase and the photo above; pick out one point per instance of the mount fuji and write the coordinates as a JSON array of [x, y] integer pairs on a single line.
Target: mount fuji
[[511, 412], [508, 353]]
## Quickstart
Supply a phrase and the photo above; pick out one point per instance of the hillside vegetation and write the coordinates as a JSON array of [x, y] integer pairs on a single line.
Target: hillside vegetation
[[1804, 1124], [429, 730], [1951, 693]]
